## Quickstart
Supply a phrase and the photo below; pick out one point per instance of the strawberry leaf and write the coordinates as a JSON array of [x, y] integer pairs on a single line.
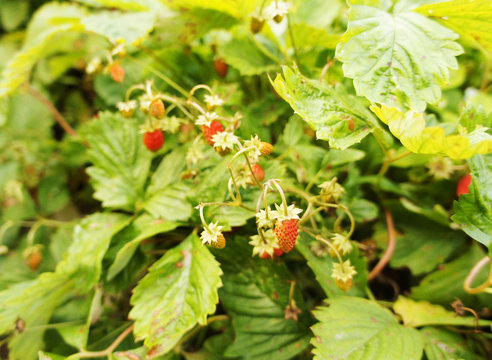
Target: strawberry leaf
[[179, 291], [470, 18], [34, 301], [255, 295], [445, 285], [420, 313], [121, 162], [473, 211], [354, 328], [397, 58], [335, 115], [164, 196], [442, 344], [410, 129], [130, 238]]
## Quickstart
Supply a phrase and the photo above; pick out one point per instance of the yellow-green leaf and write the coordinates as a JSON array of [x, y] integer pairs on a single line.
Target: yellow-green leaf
[[472, 18], [420, 313], [410, 129]]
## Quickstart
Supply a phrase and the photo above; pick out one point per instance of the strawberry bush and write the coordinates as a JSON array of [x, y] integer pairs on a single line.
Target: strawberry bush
[[254, 179]]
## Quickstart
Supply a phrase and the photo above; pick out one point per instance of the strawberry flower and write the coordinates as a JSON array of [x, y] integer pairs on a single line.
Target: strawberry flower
[[211, 233], [225, 140], [341, 243], [206, 119], [343, 271]]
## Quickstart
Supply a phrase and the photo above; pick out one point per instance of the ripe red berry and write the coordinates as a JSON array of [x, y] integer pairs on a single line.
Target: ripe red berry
[[220, 67], [276, 253], [209, 131], [117, 72], [153, 140], [286, 232], [463, 186], [258, 171]]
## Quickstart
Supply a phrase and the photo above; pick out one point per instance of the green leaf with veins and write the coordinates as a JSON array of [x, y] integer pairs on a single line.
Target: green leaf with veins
[[473, 211], [397, 59], [248, 55], [442, 344], [165, 197], [255, 295], [130, 238], [337, 116], [446, 284], [179, 291], [354, 328], [34, 301], [121, 162]]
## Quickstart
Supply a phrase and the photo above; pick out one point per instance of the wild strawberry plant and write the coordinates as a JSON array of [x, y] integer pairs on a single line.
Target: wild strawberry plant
[[245, 179]]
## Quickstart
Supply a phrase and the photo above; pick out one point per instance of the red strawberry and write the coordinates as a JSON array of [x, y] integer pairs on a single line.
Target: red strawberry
[[209, 131], [286, 232], [117, 72], [220, 67], [463, 185], [258, 171], [153, 140], [276, 253]]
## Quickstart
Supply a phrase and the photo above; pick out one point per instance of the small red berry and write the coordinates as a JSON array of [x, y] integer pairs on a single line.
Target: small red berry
[[209, 131], [463, 186], [258, 171], [277, 252], [220, 67], [153, 140], [34, 260], [286, 232], [117, 72]]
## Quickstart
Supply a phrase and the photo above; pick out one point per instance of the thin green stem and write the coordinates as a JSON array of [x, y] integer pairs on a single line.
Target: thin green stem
[[159, 74]]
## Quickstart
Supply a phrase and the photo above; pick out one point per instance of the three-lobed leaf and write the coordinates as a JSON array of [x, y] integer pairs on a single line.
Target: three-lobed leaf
[[397, 58]]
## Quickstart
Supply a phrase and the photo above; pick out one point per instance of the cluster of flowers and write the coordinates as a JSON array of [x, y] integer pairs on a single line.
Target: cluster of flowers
[[278, 227]]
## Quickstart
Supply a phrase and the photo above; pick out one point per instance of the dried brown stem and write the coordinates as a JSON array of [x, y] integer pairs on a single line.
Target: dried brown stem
[[53, 110]]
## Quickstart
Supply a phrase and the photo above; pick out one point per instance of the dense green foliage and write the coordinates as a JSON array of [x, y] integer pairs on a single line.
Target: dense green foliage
[[136, 137]]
